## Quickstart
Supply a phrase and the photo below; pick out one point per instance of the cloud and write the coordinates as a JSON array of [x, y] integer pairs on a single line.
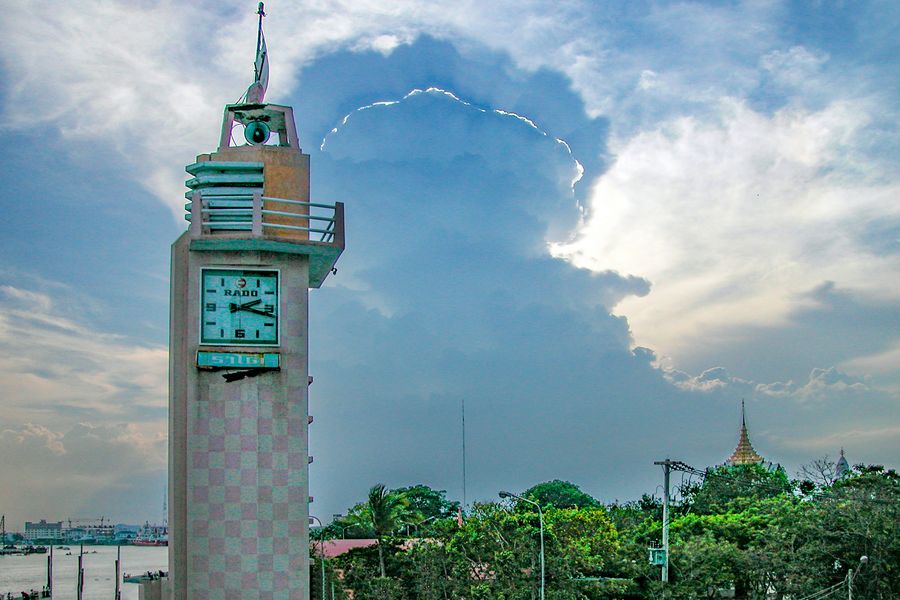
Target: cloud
[[152, 84], [792, 422], [83, 471], [881, 363], [84, 426], [750, 168], [827, 384], [734, 220], [856, 438], [482, 144], [56, 368]]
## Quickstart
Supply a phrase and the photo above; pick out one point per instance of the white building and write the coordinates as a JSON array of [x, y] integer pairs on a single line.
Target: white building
[[42, 530]]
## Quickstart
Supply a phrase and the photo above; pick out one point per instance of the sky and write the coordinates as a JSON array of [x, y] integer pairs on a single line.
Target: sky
[[597, 225]]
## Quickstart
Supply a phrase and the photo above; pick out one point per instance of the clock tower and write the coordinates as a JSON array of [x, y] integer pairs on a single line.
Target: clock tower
[[238, 412]]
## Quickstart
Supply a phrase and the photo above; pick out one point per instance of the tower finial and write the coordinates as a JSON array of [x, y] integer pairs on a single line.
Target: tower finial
[[257, 90]]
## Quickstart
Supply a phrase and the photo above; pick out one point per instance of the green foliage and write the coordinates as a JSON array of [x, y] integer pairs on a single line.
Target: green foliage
[[858, 517], [744, 532], [560, 494], [422, 506], [384, 513], [428, 503], [725, 487]]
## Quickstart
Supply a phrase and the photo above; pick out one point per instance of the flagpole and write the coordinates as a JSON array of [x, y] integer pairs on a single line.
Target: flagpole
[[261, 14]]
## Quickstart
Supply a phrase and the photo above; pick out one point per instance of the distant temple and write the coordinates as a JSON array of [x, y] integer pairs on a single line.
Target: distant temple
[[744, 454], [842, 468]]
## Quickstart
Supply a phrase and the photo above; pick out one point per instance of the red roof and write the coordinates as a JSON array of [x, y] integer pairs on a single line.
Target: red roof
[[337, 547]]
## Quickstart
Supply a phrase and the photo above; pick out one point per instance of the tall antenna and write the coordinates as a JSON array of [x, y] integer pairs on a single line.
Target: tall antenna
[[464, 451]]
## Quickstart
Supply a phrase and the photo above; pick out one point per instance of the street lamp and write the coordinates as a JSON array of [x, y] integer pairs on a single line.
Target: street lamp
[[541, 520], [850, 575], [321, 549], [416, 525]]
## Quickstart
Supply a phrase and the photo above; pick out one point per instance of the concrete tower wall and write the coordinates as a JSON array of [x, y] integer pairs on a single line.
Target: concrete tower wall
[[239, 482], [238, 477]]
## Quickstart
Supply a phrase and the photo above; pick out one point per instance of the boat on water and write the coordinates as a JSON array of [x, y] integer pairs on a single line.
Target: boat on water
[[147, 576], [152, 535], [20, 550], [149, 542]]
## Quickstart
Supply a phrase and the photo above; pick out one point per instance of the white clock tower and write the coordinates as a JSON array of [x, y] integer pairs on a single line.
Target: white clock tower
[[238, 413]]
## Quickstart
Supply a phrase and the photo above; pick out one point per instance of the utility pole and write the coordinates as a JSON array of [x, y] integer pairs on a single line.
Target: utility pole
[[667, 467]]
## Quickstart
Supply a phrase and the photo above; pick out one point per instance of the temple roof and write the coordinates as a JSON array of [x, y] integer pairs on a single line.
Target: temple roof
[[744, 454], [842, 467]]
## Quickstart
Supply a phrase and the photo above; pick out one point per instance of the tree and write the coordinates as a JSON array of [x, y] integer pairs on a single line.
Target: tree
[[822, 472], [730, 487], [703, 566], [560, 494], [385, 512], [858, 517], [428, 503]]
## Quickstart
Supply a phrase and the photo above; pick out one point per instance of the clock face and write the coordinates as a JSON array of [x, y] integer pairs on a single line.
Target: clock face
[[239, 307]]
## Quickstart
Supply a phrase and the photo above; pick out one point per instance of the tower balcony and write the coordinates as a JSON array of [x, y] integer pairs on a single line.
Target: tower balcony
[[227, 210]]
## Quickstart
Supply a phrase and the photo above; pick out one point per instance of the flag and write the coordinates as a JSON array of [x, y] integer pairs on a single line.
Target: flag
[[262, 65], [459, 517]]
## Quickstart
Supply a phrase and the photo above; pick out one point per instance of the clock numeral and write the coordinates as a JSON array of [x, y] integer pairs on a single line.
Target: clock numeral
[[210, 322], [210, 307], [211, 291], [257, 334], [269, 308], [269, 324], [221, 333], [268, 293], [239, 333], [257, 283]]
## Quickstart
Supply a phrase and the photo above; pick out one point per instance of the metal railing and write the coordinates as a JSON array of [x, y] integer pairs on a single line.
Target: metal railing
[[264, 216]]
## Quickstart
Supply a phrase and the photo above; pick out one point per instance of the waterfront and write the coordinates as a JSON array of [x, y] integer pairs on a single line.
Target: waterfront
[[23, 573]]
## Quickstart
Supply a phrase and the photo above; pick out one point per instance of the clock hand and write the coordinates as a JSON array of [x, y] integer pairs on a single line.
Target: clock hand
[[236, 307], [260, 312]]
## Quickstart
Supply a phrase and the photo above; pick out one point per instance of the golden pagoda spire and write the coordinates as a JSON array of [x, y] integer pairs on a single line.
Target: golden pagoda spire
[[744, 454]]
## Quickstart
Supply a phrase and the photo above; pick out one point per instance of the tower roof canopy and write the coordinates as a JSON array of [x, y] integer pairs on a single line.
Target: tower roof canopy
[[744, 454]]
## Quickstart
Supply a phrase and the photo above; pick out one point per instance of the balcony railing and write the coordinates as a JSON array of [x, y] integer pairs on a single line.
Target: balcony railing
[[237, 214]]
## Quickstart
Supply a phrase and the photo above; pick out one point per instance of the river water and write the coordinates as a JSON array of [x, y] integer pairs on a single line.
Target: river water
[[23, 573]]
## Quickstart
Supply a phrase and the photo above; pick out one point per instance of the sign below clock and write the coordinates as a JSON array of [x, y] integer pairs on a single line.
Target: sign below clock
[[237, 360]]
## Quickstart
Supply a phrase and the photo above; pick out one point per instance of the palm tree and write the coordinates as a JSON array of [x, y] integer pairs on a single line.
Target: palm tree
[[384, 513]]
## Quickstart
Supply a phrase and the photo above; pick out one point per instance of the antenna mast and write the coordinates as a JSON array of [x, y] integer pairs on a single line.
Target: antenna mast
[[464, 452], [261, 12]]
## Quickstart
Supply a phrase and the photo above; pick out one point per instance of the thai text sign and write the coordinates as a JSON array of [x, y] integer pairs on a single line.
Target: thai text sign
[[237, 360]]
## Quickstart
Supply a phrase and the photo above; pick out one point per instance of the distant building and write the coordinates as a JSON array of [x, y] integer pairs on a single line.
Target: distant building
[[42, 530], [842, 468], [744, 454], [89, 531]]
